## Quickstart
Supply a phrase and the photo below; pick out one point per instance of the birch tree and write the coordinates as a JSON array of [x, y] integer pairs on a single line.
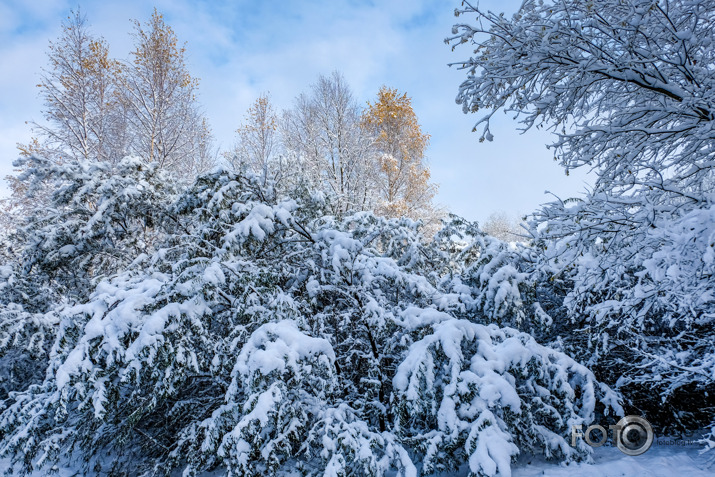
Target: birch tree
[[160, 96], [504, 227], [83, 118], [258, 141], [323, 130], [403, 178], [78, 90]]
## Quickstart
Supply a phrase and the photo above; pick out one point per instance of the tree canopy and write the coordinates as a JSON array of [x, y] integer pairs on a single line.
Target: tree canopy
[[627, 88]]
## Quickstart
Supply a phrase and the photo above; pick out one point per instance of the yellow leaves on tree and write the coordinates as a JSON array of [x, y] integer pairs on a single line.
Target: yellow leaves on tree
[[97, 108], [260, 117], [159, 94], [257, 138], [77, 91], [403, 178], [157, 52]]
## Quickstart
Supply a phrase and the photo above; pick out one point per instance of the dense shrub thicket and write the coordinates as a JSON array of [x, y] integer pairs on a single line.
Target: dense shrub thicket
[[239, 325], [256, 333]]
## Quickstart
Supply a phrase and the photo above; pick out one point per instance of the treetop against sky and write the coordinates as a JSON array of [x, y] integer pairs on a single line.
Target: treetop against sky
[[240, 50]]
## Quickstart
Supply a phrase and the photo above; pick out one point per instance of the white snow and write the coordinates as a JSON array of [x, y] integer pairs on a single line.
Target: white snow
[[277, 346], [658, 461]]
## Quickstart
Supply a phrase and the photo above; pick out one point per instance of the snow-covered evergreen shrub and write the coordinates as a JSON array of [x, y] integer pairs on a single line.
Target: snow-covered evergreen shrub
[[492, 281], [25, 339], [100, 217], [281, 380], [467, 392], [643, 306], [347, 445], [265, 336]]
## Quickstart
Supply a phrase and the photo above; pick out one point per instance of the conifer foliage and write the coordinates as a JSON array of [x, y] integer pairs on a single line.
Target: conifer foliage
[[263, 335]]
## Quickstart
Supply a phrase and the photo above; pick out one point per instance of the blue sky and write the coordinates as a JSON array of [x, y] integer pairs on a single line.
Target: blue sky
[[240, 49]]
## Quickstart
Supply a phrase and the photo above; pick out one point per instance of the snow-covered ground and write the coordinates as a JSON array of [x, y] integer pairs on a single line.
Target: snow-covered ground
[[659, 461]]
